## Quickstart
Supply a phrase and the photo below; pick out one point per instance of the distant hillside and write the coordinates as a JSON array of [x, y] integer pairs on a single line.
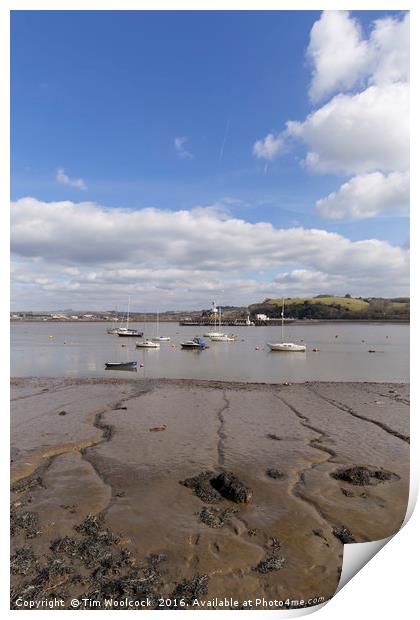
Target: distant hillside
[[335, 307]]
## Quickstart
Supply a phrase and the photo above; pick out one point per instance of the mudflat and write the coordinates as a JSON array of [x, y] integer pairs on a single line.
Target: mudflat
[[182, 492]]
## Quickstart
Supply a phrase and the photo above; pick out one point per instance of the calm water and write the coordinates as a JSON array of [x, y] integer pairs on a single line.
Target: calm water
[[80, 350]]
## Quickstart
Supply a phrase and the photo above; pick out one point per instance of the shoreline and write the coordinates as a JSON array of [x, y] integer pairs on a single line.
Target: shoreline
[[140, 472]]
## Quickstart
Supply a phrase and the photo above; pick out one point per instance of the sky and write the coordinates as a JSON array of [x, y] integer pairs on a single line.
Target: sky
[[180, 157]]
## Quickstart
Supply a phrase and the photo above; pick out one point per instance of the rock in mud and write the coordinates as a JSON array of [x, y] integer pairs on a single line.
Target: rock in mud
[[274, 437], [62, 413], [192, 589], [216, 518], [363, 476], [210, 486], [343, 534], [232, 488], [202, 487], [274, 473]]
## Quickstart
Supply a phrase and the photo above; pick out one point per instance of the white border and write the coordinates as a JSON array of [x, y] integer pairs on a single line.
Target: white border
[[386, 586]]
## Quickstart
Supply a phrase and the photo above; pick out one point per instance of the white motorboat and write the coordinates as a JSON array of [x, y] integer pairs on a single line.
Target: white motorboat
[[286, 346], [147, 344]]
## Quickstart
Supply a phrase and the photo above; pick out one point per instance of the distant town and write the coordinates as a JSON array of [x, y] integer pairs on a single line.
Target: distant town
[[320, 307]]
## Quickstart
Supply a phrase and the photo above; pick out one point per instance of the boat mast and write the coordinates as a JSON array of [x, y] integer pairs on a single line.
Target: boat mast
[[282, 322], [157, 323], [128, 312]]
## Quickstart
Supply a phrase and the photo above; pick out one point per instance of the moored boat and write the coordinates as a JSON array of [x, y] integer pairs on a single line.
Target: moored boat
[[286, 346], [195, 343], [147, 344], [128, 365], [129, 333]]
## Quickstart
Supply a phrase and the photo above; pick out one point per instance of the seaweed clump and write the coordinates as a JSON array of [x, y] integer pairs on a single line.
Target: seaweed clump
[[216, 518], [363, 476], [26, 523], [23, 561], [344, 535], [202, 487], [189, 590]]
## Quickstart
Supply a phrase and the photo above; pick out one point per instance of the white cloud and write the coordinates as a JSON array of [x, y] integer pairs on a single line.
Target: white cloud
[[180, 149], [182, 259], [358, 133], [269, 147], [390, 42], [64, 179], [364, 132], [368, 195], [338, 53], [341, 58]]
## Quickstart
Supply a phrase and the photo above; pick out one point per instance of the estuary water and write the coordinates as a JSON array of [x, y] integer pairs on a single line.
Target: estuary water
[[81, 350]]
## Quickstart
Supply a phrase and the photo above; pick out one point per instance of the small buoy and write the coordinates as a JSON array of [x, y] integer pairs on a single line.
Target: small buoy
[[257, 348], [363, 341], [372, 351], [315, 350], [141, 365], [336, 336], [123, 345], [50, 337]]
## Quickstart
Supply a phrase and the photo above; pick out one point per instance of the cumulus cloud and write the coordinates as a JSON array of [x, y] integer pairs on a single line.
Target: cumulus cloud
[[368, 195], [64, 179], [342, 58], [337, 52], [269, 147], [182, 259], [180, 149], [358, 133], [363, 130]]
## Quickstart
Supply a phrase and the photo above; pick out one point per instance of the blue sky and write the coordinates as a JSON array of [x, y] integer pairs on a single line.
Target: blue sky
[[103, 96]]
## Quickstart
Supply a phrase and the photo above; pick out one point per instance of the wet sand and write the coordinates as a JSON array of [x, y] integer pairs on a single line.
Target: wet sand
[[98, 508]]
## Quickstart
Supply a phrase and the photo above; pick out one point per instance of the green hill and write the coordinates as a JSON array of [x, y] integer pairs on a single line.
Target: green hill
[[335, 307]]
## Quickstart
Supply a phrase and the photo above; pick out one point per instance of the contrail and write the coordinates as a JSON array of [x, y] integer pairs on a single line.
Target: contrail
[[222, 148]]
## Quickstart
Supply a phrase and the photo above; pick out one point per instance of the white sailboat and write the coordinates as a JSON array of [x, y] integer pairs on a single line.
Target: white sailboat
[[220, 336], [213, 334], [286, 346], [126, 331], [158, 338]]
